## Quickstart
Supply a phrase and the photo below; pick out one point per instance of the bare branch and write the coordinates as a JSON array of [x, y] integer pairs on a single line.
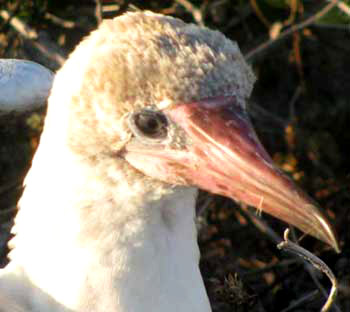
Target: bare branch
[[98, 12], [52, 55], [344, 7], [60, 21], [196, 13], [292, 29], [316, 262]]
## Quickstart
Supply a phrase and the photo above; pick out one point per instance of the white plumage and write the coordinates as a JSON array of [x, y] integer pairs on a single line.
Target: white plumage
[[24, 85], [145, 110]]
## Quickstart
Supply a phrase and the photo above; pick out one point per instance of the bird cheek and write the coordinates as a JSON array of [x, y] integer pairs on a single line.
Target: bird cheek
[[162, 169]]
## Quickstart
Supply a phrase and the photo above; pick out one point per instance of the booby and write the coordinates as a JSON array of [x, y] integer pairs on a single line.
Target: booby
[[24, 85], [146, 110]]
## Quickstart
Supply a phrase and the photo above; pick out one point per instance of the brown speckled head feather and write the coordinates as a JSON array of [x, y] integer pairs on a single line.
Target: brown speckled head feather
[[144, 59]]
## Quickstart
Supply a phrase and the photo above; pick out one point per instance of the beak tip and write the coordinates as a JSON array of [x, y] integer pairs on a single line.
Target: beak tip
[[325, 232], [333, 242], [336, 247]]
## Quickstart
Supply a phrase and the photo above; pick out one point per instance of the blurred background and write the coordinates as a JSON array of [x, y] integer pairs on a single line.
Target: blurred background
[[300, 53]]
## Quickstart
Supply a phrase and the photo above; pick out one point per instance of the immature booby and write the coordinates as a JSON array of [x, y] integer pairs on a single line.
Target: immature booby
[[146, 109]]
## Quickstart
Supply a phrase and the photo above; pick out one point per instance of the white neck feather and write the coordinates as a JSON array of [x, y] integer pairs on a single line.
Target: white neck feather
[[107, 244]]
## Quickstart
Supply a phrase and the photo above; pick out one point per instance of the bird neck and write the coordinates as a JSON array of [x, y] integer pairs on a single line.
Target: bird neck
[[107, 241]]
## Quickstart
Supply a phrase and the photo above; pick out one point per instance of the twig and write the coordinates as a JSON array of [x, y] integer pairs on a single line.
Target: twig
[[196, 13], [52, 55], [300, 301], [268, 268], [343, 7], [13, 12], [60, 21], [243, 13], [262, 114], [20, 26], [98, 12], [111, 8], [292, 29], [296, 95], [298, 58], [260, 14], [312, 272], [316, 262], [293, 4], [260, 224]]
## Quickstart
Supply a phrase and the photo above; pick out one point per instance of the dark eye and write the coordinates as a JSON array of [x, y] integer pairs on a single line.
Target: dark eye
[[151, 124]]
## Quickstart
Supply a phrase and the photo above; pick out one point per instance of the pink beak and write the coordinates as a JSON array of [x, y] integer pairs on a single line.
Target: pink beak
[[226, 157]]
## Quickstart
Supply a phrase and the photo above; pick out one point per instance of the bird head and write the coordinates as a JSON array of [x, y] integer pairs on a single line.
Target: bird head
[[168, 100]]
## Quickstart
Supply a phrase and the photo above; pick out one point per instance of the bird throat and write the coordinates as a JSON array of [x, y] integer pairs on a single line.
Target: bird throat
[[118, 246]]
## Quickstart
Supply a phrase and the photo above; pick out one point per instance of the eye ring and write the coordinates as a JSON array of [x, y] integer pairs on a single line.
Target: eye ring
[[149, 124]]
